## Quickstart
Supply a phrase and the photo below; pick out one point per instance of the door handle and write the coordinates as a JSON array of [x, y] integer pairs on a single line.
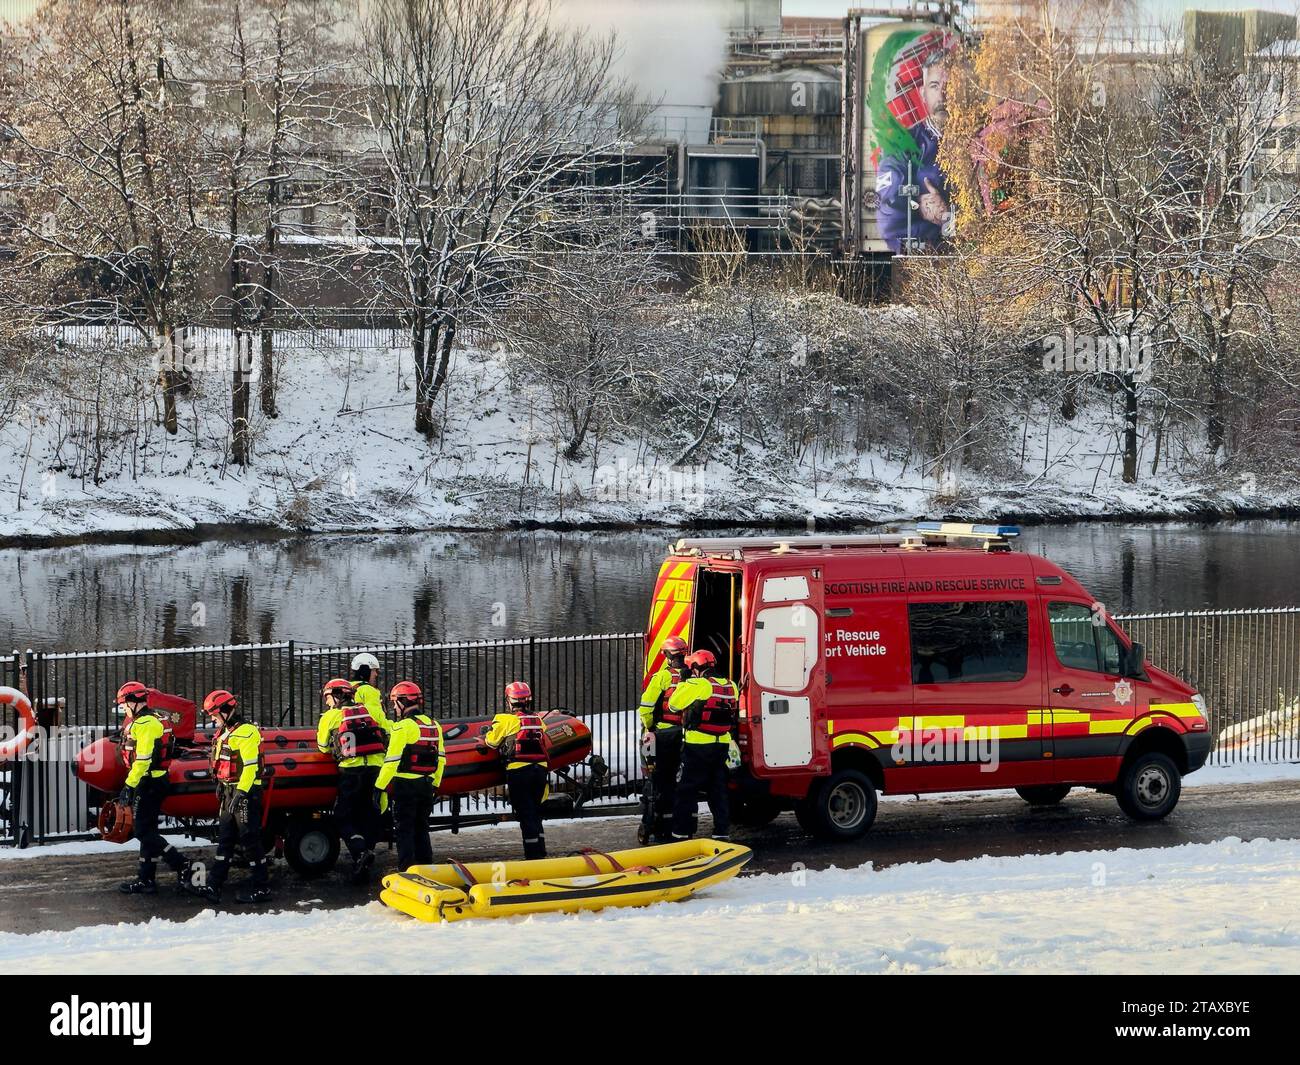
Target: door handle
[[1064, 689]]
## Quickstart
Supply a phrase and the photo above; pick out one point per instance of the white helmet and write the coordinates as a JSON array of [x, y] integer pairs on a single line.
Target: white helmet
[[366, 659]]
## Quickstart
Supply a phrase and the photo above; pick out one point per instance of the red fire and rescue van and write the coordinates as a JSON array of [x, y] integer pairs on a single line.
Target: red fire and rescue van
[[926, 661]]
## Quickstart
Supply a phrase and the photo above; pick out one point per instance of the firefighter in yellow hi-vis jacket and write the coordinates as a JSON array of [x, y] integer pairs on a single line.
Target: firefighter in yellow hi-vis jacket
[[413, 770], [709, 706], [365, 682], [661, 743], [357, 736], [519, 737], [147, 748], [237, 768]]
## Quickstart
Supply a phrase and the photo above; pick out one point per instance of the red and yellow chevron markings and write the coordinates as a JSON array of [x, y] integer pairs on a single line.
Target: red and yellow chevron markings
[[670, 613]]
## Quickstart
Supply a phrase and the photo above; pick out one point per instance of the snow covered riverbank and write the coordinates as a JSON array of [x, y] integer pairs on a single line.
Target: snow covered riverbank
[[341, 456], [1204, 908]]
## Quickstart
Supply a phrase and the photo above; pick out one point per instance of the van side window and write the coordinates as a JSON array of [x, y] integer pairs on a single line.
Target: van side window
[[1080, 642], [958, 643]]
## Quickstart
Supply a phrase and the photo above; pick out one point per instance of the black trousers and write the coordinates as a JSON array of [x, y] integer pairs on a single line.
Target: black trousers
[[526, 788], [147, 811], [704, 772], [412, 804], [668, 761], [239, 824], [354, 809]]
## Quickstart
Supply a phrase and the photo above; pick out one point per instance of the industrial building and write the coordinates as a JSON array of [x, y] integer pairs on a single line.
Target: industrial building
[[787, 157]]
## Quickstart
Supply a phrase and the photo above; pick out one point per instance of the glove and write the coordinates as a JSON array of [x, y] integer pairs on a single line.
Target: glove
[[239, 807], [377, 798], [126, 797], [483, 748]]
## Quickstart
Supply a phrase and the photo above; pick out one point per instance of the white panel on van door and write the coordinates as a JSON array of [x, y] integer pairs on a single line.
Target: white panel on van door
[[785, 647], [784, 589], [787, 731]]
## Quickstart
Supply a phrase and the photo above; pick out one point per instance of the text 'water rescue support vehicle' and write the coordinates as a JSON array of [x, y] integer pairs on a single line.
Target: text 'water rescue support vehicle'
[[903, 663]]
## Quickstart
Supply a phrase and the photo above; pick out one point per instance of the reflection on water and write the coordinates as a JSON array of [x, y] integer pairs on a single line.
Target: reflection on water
[[431, 587]]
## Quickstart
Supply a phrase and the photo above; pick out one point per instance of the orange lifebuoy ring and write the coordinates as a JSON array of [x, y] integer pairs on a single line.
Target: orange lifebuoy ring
[[116, 822], [11, 749]]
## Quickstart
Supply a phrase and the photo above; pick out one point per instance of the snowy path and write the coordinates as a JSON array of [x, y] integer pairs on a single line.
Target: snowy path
[[1219, 907]]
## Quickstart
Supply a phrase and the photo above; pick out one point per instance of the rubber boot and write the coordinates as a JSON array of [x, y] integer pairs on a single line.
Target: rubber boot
[[144, 882], [211, 891], [258, 889], [361, 866]]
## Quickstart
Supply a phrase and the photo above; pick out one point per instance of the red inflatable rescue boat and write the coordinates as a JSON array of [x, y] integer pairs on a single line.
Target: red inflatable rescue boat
[[301, 782]]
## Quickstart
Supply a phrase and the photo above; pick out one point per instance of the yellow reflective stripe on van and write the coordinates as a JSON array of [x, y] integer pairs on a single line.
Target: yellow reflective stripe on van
[[1177, 709], [860, 739], [916, 724], [1108, 726], [995, 732]]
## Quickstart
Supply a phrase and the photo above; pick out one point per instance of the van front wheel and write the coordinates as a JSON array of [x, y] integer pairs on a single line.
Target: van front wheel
[[841, 807], [1149, 787]]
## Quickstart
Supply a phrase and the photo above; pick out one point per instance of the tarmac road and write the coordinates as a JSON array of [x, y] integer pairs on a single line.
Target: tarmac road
[[60, 893]]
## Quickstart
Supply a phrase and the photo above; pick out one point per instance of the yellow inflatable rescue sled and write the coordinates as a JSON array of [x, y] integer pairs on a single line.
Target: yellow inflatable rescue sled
[[590, 880]]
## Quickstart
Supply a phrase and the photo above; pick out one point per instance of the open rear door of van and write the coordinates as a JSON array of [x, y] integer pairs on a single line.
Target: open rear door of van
[[787, 680]]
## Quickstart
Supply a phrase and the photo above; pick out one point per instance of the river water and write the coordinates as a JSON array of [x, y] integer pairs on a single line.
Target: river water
[[433, 586]]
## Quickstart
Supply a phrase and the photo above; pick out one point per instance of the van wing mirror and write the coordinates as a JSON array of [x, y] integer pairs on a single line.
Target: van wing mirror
[[1135, 666]]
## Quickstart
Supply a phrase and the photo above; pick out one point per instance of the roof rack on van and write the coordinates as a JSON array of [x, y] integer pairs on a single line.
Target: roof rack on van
[[995, 538], [709, 545], [927, 534]]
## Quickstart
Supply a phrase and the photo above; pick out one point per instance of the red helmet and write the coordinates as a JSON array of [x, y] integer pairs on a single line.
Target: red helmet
[[219, 702], [518, 692], [339, 687], [132, 690], [407, 695], [674, 645], [702, 660]]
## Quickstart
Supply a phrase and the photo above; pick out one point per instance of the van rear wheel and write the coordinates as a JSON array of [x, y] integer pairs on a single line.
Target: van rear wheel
[[841, 807], [1044, 794], [1149, 787]]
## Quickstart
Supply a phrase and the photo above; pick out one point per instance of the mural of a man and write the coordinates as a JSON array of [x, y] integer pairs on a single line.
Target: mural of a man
[[916, 147]]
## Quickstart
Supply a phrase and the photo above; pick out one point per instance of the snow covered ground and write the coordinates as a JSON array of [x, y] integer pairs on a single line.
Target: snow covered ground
[[1225, 907], [342, 456]]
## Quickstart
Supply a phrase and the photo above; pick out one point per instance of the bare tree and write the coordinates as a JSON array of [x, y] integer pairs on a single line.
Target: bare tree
[[487, 117], [581, 322], [106, 201]]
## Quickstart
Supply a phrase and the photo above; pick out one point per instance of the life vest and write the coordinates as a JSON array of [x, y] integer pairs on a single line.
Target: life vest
[[529, 743], [716, 715], [227, 763], [421, 756], [358, 735], [164, 747], [664, 713]]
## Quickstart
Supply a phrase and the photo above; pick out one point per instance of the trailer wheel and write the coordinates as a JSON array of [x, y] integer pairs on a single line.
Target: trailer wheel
[[1149, 787], [841, 807], [1044, 794], [755, 811], [311, 846]]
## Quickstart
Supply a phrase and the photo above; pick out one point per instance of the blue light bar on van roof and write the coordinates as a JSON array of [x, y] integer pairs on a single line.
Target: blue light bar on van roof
[[957, 528]]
